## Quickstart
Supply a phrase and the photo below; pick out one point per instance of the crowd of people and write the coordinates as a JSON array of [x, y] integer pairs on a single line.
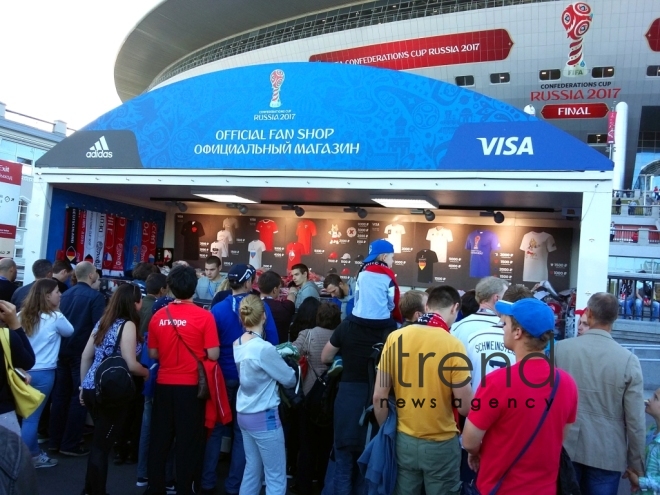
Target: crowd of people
[[356, 389]]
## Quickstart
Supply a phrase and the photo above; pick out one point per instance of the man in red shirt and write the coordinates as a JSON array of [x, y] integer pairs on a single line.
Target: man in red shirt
[[509, 406], [176, 332]]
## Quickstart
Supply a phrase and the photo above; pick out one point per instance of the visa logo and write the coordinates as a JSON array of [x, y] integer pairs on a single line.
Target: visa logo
[[506, 146]]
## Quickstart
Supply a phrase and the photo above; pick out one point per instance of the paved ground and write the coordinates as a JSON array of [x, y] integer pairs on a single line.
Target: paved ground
[[67, 478]]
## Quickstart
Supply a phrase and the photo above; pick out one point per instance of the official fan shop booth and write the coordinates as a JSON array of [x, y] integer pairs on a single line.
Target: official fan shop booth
[[309, 162]]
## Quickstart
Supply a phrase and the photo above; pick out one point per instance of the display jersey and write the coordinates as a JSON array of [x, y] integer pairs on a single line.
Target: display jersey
[[425, 259], [220, 247], [294, 252], [439, 237], [488, 343], [266, 229], [191, 232], [256, 248], [230, 224], [305, 230], [481, 243], [536, 246], [394, 233]]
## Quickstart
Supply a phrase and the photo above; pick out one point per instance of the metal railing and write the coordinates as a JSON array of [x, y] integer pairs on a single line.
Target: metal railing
[[625, 235], [645, 352], [631, 307]]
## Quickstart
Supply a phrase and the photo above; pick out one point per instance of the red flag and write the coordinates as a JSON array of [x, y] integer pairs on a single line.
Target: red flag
[[144, 245], [611, 124], [120, 241], [80, 234], [153, 234]]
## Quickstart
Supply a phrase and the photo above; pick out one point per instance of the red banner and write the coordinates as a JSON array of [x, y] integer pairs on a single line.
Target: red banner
[[120, 241], [80, 234], [153, 231], [109, 246], [611, 124], [451, 49], [144, 245], [575, 111], [653, 36]]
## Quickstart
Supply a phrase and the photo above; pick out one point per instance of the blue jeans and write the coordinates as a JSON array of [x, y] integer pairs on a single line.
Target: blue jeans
[[265, 453], [655, 307], [237, 464], [143, 453], [67, 415], [212, 456], [594, 481], [43, 381], [348, 479]]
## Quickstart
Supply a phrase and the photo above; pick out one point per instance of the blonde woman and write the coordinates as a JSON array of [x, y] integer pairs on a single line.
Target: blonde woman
[[44, 326], [260, 369]]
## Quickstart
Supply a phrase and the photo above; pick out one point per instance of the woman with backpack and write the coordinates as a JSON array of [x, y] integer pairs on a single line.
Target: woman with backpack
[[44, 326], [315, 437], [114, 333], [260, 369]]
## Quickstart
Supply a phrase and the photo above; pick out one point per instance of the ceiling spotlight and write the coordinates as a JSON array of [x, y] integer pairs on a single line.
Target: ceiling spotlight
[[299, 211], [498, 216], [180, 205], [361, 212], [429, 215], [242, 209]]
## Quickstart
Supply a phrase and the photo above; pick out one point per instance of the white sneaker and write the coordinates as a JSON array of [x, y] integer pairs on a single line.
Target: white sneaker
[[43, 461]]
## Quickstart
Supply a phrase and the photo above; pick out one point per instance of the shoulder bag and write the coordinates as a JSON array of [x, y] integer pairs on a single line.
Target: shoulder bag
[[26, 397], [203, 391]]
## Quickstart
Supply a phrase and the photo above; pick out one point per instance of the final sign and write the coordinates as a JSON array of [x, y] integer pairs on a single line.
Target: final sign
[[452, 49], [575, 111]]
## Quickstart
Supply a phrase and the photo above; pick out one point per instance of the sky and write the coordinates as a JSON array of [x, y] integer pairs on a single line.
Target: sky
[[57, 58]]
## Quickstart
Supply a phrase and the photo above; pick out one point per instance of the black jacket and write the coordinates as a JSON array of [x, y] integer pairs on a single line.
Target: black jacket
[[7, 290], [83, 307], [19, 296]]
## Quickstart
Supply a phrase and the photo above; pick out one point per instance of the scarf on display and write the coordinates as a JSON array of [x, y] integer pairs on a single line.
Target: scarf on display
[[382, 268], [433, 320]]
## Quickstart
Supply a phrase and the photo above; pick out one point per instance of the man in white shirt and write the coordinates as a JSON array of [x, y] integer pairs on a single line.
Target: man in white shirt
[[208, 285], [489, 290], [487, 344]]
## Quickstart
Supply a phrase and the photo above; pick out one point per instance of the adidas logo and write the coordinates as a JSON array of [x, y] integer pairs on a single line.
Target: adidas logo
[[99, 150]]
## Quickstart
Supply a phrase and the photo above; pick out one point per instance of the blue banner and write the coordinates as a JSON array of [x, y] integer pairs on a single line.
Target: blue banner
[[320, 116]]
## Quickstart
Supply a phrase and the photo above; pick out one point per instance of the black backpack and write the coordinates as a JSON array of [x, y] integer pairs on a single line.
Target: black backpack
[[113, 381], [320, 400]]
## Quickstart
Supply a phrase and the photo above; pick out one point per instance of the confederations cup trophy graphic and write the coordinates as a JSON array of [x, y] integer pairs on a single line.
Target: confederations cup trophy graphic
[[276, 80], [576, 20]]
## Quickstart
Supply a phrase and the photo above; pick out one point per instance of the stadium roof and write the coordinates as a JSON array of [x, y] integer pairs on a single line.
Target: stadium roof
[[176, 28]]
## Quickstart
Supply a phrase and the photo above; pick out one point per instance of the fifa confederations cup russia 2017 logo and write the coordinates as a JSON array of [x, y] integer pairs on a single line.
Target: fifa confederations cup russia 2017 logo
[[276, 80], [576, 20]]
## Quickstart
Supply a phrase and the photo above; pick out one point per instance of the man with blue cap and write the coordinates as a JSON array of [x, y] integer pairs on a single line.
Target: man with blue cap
[[520, 413]]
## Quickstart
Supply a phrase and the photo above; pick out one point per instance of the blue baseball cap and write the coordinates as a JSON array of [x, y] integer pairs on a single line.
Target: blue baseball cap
[[241, 273], [380, 246], [534, 316]]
